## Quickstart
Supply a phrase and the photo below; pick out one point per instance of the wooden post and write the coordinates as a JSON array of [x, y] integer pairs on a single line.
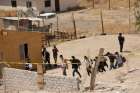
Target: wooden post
[[129, 15], [102, 23], [93, 4], [95, 69], [57, 24], [40, 77], [74, 24], [129, 4], [109, 4], [18, 20]]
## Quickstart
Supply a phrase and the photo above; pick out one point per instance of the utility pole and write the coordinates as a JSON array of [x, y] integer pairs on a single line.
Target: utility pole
[[93, 3], [129, 15], [95, 69], [18, 20], [102, 23], [109, 4], [74, 24], [57, 24]]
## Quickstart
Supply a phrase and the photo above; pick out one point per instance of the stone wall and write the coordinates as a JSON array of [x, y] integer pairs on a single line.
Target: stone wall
[[20, 80]]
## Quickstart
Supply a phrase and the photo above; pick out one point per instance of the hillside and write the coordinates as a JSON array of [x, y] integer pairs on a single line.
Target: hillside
[[104, 3], [122, 80]]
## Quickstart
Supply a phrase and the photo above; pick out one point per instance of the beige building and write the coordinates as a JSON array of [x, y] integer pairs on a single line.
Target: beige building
[[40, 5], [16, 46]]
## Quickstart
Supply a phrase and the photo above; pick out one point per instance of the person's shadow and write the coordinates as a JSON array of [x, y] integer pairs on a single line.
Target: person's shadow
[[126, 51]]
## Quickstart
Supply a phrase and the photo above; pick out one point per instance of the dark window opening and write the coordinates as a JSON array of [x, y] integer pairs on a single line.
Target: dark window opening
[[14, 3], [47, 3], [28, 4], [57, 5], [1, 56], [24, 51]]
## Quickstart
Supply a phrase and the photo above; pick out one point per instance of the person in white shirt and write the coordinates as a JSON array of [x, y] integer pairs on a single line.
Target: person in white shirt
[[28, 65], [64, 65], [88, 65]]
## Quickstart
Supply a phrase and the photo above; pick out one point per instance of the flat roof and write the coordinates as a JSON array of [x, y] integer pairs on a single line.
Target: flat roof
[[16, 18]]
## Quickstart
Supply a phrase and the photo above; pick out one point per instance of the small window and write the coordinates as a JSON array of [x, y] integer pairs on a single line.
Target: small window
[[14, 3], [28, 4], [47, 3]]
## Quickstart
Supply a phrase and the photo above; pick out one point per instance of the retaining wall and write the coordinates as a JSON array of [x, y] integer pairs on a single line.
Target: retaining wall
[[19, 80]]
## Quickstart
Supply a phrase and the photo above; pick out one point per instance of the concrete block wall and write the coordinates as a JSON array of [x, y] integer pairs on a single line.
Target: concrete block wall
[[20, 80], [15, 79], [57, 83]]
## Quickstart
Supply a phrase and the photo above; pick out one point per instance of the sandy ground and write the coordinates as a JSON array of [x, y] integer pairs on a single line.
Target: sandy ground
[[88, 21], [123, 80]]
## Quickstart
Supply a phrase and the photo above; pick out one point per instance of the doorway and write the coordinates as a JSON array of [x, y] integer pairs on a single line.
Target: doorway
[[24, 51], [57, 5]]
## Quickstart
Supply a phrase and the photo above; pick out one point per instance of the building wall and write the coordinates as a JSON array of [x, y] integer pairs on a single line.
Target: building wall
[[66, 4], [11, 40], [21, 4], [39, 4]]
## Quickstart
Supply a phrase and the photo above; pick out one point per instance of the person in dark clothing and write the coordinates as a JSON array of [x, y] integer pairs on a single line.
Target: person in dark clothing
[[55, 53], [47, 57], [102, 64], [119, 61], [75, 65], [43, 53], [112, 59], [121, 41]]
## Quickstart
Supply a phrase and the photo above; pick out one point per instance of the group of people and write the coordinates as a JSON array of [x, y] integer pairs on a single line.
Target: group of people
[[46, 54], [116, 60]]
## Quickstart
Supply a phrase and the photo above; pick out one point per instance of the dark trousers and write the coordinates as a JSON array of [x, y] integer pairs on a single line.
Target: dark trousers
[[47, 60], [64, 72], [75, 70], [101, 69], [88, 71], [121, 47], [112, 66], [55, 58]]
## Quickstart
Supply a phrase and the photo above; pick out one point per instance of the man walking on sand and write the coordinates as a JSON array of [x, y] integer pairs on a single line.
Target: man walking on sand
[[75, 65], [55, 53], [121, 41], [64, 65]]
